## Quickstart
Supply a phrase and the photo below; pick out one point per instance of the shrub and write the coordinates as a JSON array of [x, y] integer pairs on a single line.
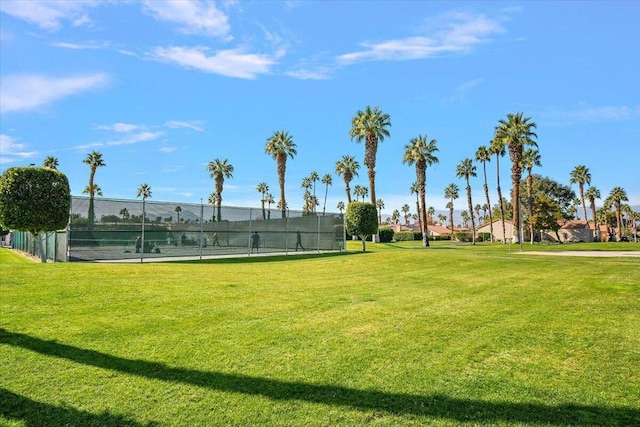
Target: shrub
[[405, 236], [386, 234], [463, 236], [362, 220]]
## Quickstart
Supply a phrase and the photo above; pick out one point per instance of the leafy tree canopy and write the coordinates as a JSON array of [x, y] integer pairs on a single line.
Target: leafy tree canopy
[[34, 199], [362, 220]]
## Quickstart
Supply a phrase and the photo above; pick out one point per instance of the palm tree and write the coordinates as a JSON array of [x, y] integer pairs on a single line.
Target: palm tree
[[370, 126], [530, 158], [177, 210], [465, 218], [348, 168], [617, 196], [340, 206], [592, 194], [430, 212], [263, 189], [464, 170], [451, 192], [359, 190], [483, 155], [144, 191], [380, 206], [327, 180], [517, 133], [306, 184], [50, 163], [124, 213], [581, 175], [395, 216], [270, 200], [420, 152], [220, 169], [314, 177], [280, 145], [497, 147], [442, 218], [405, 211], [477, 208], [94, 160]]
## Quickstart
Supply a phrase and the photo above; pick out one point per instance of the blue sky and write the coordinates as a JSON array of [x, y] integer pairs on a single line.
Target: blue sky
[[162, 88]]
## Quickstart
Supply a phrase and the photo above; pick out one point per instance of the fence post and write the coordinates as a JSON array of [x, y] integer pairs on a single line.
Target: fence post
[[318, 246]]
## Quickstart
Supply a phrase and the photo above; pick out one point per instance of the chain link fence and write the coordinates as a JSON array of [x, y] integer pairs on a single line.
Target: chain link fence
[[117, 231]]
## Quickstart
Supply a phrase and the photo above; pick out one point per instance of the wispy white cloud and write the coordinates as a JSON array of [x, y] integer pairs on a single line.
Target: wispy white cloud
[[456, 33], [193, 17], [19, 92], [50, 14], [231, 63], [120, 127], [310, 73], [134, 138], [192, 124], [166, 149], [12, 151], [82, 46], [587, 113], [461, 91]]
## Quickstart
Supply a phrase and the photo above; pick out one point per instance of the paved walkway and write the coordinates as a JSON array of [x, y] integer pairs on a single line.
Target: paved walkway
[[602, 254]]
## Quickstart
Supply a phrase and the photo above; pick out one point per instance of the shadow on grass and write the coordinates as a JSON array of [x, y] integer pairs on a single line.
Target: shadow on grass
[[429, 406], [35, 414], [244, 259]]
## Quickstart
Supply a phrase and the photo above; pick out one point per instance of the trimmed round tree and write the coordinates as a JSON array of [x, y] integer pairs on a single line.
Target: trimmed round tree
[[35, 200], [362, 220]]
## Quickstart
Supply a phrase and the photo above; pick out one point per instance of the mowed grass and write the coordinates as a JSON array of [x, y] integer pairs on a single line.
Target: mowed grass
[[450, 335]]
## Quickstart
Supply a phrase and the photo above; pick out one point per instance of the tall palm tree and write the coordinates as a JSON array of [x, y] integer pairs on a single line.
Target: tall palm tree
[[280, 145], [220, 169], [477, 208], [92, 189], [306, 184], [497, 147], [263, 189], [348, 168], [451, 192], [358, 191], [370, 126], [405, 212], [581, 175], [177, 210], [483, 155], [314, 177], [530, 158], [380, 206], [420, 152], [592, 194], [340, 206], [464, 170], [327, 180], [50, 163], [144, 191], [95, 161], [517, 133], [442, 218], [617, 196]]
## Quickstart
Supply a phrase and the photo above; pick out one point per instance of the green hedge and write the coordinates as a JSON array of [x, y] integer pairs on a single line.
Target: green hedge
[[386, 234]]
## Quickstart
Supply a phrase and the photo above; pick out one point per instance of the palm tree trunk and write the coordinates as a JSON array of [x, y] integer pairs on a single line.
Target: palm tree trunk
[[326, 193], [501, 204], [473, 222], [584, 206], [282, 167], [530, 203], [516, 174], [596, 231], [486, 195]]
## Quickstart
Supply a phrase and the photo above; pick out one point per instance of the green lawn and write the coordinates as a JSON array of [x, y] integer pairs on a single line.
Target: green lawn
[[450, 335]]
